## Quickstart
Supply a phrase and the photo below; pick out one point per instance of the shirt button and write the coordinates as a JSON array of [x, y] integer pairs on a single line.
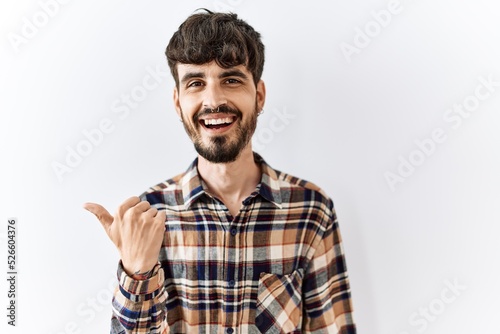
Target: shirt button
[[229, 330], [233, 231], [232, 283]]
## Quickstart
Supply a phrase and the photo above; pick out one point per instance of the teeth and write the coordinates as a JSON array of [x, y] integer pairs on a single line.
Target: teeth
[[228, 120]]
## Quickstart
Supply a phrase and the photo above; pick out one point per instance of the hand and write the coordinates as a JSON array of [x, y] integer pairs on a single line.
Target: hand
[[137, 231]]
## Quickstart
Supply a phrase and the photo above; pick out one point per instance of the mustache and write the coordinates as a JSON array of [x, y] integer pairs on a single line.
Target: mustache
[[224, 108]]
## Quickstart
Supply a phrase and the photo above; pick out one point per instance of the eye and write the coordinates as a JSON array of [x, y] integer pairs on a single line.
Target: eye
[[233, 81], [195, 84]]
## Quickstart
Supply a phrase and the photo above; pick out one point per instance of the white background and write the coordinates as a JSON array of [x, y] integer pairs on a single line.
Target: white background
[[354, 118]]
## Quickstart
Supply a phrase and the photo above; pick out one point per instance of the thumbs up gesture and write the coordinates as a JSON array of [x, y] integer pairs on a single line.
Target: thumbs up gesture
[[137, 230]]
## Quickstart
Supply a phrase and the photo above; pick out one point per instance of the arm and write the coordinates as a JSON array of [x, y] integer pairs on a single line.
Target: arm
[[326, 290], [137, 230], [139, 305]]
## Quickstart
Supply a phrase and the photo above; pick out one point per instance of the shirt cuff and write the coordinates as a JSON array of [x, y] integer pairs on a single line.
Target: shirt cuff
[[141, 290]]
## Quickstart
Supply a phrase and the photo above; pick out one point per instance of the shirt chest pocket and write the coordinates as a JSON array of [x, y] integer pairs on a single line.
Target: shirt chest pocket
[[279, 303]]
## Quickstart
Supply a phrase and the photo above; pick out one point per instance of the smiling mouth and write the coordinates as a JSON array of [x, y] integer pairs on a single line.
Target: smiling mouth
[[217, 123]]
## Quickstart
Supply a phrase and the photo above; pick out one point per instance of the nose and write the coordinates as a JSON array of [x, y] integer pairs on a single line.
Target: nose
[[213, 96]]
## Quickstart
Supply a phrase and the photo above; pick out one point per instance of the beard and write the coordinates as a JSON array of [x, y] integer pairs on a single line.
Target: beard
[[222, 149]]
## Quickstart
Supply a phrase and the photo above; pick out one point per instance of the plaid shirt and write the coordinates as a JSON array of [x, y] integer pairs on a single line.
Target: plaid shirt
[[278, 266]]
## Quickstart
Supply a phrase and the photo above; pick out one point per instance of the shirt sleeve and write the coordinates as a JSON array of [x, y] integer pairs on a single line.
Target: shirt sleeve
[[139, 305], [326, 290]]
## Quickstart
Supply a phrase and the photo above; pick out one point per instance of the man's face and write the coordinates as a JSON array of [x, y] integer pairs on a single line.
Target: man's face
[[218, 107]]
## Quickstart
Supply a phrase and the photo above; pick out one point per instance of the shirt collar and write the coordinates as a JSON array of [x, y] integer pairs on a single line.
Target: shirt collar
[[269, 187]]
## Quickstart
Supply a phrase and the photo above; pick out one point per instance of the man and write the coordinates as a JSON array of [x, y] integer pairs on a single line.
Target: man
[[231, 245]]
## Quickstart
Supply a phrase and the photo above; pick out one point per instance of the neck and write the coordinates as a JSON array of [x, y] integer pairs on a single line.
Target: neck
[[231, 182]]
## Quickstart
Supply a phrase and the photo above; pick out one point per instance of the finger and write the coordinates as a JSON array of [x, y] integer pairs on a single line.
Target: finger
[[130, 202], [161, 217], [127, 204], [143, 206], [100, 212], [151, 212]]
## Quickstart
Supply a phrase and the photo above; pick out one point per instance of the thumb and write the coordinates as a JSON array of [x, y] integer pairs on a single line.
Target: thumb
[[101, 213]]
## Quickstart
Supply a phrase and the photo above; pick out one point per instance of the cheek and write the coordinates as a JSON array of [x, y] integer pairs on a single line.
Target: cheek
[[188, 109]]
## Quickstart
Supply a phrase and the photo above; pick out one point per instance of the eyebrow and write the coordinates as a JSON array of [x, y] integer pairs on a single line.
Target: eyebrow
[[225, 74], [233, 73], [192, 75]]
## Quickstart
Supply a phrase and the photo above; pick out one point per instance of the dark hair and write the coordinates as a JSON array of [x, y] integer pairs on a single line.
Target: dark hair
[[204, 37]]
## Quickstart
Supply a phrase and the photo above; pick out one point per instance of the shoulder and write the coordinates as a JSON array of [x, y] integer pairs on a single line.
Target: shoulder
[[168, 192], [295, 190]]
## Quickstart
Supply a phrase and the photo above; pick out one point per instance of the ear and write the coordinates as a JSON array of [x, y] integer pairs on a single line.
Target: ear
[[177, 104], [261, 94]]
